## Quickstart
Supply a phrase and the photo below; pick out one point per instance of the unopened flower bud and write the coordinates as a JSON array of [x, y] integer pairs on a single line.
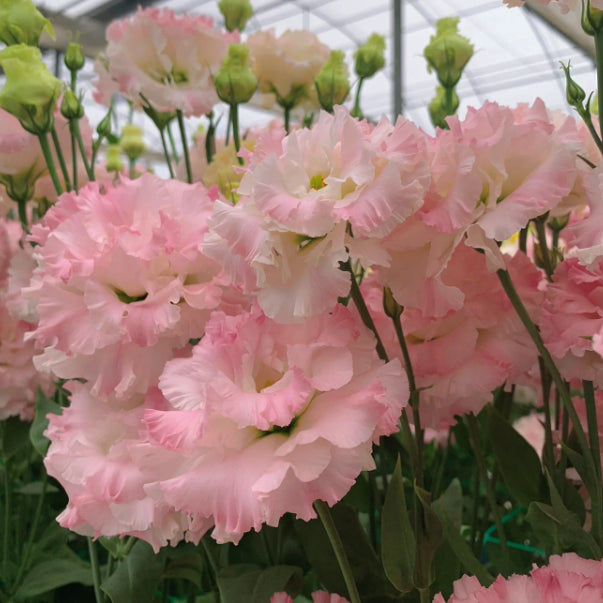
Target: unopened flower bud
[[104, 126], [22, 23], [74, 57], [30, 92], [442, 106], [113, 158], [390, 306], [593, 16], [332, 83], [235, 82], [132, 142], [236, 13], [558, 223], [370, 57], [448, 52], [574, 93], [71, 106]]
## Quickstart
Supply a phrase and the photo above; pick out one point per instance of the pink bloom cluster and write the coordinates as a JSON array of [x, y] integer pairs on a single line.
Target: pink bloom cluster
[[319, 596], [566, 578]]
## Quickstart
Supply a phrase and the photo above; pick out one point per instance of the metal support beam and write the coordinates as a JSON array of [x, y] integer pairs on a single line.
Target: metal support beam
[[397, 103]]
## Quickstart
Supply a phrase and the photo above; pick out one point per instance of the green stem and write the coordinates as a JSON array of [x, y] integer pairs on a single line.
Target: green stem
[[474, 438], [475, 543], [166, 152], [509, 288], [210, 140], [132, 169], [357, 111], [73, 154], [187, 158], [88, 166], [234, 111], [544, 250], [172, 143], [593, 438], [599, 59], [7, 500], [326, 518], [587, 119], [22, 210], [61, 158], [287, 117], [52, 170], [94, 564]]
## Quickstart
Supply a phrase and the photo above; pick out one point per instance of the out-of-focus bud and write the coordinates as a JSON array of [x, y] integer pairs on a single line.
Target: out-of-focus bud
[[104, 126], [443, 105], [71, 106], [132, 141], [574, 93], [236, 13], [332, 83], [22, 23], [30, 92], [370, 57], [390, 306], [448, 52], [113, 158], [558, 223], [74, 57], [235, 82], [593, 16]]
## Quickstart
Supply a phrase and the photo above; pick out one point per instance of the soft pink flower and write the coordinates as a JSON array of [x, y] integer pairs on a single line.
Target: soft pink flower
[[166, 58], [319, 596], [122, 282], [272, 417], [568, 579]]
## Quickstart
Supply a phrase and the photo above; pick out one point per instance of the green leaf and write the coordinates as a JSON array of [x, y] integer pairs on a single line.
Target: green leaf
[[44, 406], [275, 579], [53, 573], [517, 460], [428, 541], [397, 538], [236, 582], [136, 577], [35, 489], [15, 436], [188, 566], [449, 509]]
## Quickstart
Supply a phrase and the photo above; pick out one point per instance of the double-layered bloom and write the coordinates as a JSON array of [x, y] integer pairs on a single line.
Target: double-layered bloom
[[271, 418], [166, 60], [121, 271]]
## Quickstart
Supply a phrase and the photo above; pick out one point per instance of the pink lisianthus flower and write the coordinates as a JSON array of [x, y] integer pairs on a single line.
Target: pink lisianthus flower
[[166, 58], [566, 578], [273, 417], [99, 456], [287, 234], [319, 596], [460, 357], [572, 317], [566, 5], [122, 281]]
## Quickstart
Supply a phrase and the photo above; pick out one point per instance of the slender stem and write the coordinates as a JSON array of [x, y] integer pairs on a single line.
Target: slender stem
[[475, 544], [7, 513], [234, 111], [587, 119], [187, 159], [599, 59], [549, 453], [132, 169], [549, 363], [52, 170], [88, 166], [172, 142], [22, 210], [61, 158], [166, 152], [94, 564], [474, 438], [287, 112], [210, 140], [357, 111], [547, 262], [593, 438], [326, 518], [73, 154]]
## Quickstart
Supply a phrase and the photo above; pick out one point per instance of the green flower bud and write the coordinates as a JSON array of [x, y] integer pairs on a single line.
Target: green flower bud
[[104, 126], [71, 106], [22, 23], [370, 57], [236, 13], [442, 106], [332, 83], [390, 306], [30, 92], [132, 142], [448, 52], [74, 57], [234, 81], [113, 159], [574, 94], [593, 18]]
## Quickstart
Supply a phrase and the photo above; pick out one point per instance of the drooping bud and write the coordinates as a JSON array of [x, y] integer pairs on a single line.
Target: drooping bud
[[332, 83], [22, 23], [370, 57], [235, 82], [448, 52], [30, 92], [132, 141], [74, 57], [236, 13], [71, 106]]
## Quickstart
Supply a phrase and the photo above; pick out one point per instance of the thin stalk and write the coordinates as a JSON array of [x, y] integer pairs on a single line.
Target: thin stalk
[[474, 438], [287, 117], [593, 438], [599, 59], [547, 262], [88, 166], [187, 159], [7, 513], [587, 119], [523, 239], [326, 518], [549, 453], [52, 170], [22, 209], [172, 143], [132, 168], [73, 154], [549, 363], [166, 152], [357, 111], [475, 543], [234, 112], [95, 566], [61, 158]]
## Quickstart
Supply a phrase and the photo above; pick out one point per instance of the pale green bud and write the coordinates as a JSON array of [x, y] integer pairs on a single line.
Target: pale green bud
[[448, 52], [442, 106], [370, 57], [235, 82], [74, 56], [574, 93], [22, 23], [71, 106], [113, 158], [332, 83], [132, 142], [236, 13], [30, 92]]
